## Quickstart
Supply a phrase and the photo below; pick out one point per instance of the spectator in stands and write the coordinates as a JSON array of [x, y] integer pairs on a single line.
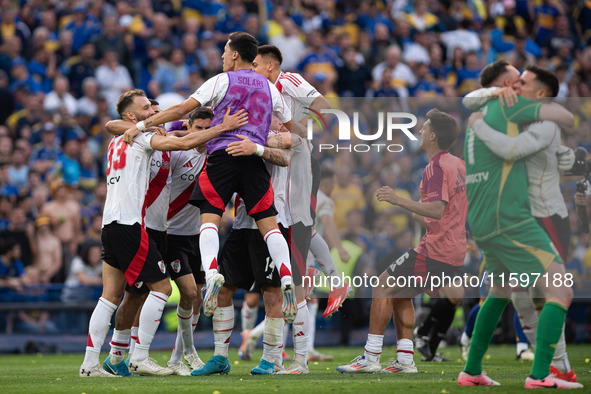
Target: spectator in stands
[[86, 270], [252, 26], [346, 195], [462, 37], [467, 76], [12, 26], [21, 77], [46, 152], [112, 39], [112, 78], [67, 169], [21, 230], [544, 16], [402, 75], [190, 44], [78, 68], [171, 73], [319, 58], [421, 19], [6, 97], [88, 103], [42, 68], [60, 97], [5, 207], [49, 257], [12, 269], [161, 31], [64, 213], [209, 55], [564, 37], [84, 27], [18, 170], [26, 120], [353, 78], [290, 44], [89, 174], [417, 51]]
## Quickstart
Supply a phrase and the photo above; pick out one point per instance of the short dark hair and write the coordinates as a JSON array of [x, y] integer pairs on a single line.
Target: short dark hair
[[245, 44], [492, 72], [271, 51], [200, 113], [546, 78], [326, 172], [444, 126], [154, 102], [126, 99]]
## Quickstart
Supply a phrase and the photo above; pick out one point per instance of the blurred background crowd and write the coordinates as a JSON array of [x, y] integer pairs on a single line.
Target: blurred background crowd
[[64, 63]]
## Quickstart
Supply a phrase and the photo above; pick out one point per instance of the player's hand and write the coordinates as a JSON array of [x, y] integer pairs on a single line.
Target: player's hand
[[474, 118], [566, 158], [385, 193], [232, 122], [344, 255], [506, 96], [580, 199], [130, 134], [242, 148]]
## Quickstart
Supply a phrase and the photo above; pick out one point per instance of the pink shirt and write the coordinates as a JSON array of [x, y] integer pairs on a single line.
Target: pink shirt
[[444, 179]]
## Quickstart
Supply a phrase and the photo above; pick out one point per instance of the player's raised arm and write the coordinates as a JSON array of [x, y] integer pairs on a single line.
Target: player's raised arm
[[170, 114], [192, 140]]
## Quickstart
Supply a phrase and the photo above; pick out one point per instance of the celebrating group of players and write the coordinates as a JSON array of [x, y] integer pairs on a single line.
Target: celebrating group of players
[[165, 199], [166, 196]]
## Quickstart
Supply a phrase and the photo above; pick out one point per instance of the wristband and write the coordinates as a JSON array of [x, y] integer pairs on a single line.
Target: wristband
[[260, 150], [141, 126]]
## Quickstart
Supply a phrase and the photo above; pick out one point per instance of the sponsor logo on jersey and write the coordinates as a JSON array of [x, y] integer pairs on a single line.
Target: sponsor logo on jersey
[[162, 266], [176, 265]]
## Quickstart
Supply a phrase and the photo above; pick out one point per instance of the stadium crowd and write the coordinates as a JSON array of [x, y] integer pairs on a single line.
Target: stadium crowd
[[64, 63]]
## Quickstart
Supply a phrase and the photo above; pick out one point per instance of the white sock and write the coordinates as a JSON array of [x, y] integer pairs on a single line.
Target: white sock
[[405, 351], [257, 332], [321, 252], [312, 312], [373, 347], [223, 324], [119, 345], [149, 321], [300, 330], [133, 341], [521, 347], [560, 360], [209, 246], [184, 317], [249, 316], [279, 355], [97, 331], [279, 252], [184, 335], [527, 315], [465, 339], [272, 338]]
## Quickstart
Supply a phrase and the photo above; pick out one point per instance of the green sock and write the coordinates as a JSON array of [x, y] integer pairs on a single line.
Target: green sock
[[484, 328], [547, 335]]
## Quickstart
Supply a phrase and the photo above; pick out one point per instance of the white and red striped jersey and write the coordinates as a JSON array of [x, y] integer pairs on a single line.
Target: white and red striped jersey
[[158, 195], [127, 180], [184, 218], [297, 93], [279, 184]]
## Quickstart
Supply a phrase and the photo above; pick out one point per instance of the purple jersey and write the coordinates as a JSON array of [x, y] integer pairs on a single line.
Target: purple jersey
[[250, 91]]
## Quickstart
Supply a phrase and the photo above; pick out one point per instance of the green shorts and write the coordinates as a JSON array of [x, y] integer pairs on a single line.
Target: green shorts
[[517, 253]]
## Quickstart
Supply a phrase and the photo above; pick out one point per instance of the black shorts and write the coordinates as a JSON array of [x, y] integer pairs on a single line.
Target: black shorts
[[184, 257], [298, 239], [411, 266], [315, 184], [225, 175], [245, 261], [160, 239], [559, 231], [131, 250]]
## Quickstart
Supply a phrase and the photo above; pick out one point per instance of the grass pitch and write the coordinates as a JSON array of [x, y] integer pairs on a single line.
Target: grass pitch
[[59, 373]]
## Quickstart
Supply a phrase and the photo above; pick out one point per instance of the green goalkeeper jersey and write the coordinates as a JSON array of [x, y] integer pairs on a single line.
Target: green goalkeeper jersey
[[497, 189]]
